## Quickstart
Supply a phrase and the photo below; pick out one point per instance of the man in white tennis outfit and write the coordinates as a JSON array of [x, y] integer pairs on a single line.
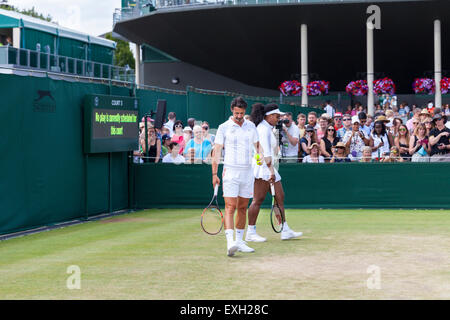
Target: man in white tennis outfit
[[238, 137], [265, 118]]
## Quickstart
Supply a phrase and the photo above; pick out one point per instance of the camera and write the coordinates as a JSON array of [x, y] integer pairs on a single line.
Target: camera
[[280, 123]]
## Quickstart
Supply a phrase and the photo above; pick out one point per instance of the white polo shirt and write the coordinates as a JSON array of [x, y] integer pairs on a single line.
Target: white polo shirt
[[238, 143]]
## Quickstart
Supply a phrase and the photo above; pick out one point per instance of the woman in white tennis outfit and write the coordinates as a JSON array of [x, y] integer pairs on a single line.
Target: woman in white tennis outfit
[[265, 118], [238, 137]]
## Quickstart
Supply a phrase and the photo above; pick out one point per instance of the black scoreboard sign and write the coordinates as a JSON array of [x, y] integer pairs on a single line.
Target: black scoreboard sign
[[111, 123]]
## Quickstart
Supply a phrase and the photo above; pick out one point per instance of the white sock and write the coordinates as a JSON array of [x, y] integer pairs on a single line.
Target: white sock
[[239, 235], [285, 226], [251, 229], [229, 233]]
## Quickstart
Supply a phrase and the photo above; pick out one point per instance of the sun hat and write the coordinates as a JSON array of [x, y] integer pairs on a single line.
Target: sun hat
[[425, 112], [381, 118]]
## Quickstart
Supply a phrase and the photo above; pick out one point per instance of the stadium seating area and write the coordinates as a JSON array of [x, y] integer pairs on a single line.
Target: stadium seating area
[[400, 133]]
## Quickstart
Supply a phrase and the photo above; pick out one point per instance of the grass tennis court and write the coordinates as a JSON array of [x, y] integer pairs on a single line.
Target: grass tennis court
[[163, 254]]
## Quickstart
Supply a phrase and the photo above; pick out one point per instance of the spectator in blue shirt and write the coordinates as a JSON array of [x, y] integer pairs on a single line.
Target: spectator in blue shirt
[[362, 120], [347, 122], [201, 146]]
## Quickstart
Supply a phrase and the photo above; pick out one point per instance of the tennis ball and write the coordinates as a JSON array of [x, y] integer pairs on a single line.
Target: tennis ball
[[258, 159]]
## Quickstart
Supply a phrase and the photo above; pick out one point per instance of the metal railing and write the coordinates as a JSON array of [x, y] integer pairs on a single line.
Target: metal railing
[[143, 6], [35, 60]]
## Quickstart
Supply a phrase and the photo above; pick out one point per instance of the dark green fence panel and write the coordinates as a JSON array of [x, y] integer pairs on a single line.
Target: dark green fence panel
[[119, 181], [353, 185], [43, 178], [207, 107], [97, 183], [176, 102]]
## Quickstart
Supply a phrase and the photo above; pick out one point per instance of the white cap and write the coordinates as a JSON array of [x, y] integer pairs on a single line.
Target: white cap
[[355, 119], [274, 112]]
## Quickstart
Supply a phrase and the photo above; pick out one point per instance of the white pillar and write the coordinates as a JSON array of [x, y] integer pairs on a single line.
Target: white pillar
[[370, 69], [437, 63], [304, 62], [16, 38], [137, 65]]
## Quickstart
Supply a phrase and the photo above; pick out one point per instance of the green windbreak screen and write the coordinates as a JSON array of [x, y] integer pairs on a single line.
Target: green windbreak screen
[[30, 38], [175, 102], [340, 185], [72, 48], [45, 177], [214, 107], [207, 107], [101, 54]]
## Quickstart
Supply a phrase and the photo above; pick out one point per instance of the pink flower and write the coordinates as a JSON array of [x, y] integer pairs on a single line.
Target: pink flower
[[291, 88], [317, 88], [424, 86], [357, 88]]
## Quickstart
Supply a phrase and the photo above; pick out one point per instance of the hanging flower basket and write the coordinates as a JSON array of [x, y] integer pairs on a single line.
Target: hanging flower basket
[[445, 85], [318, 88], [384, 86], [424, 86], [291, 88], [357, 88]]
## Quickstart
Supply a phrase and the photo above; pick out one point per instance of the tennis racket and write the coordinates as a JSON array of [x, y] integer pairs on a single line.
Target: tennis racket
[[276, 218], [212, 218]]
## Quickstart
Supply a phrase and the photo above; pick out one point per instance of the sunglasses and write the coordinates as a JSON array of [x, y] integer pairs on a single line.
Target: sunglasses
[[347, 119], [330, 129], [403, 129], [178, 126], [205, 128], [338, 119]]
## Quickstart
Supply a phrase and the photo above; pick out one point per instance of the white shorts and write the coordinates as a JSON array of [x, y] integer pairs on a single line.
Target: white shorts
[[238, 183]]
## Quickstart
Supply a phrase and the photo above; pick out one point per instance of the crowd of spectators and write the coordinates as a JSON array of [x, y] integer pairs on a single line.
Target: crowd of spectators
[[393, 134]]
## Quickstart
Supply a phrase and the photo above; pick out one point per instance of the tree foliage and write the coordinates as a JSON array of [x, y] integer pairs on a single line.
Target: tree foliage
[[29, 12], [123, 55]]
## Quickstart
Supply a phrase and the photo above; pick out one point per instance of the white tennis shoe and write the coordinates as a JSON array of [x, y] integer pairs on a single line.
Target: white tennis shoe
[[242, 247], [254, 237], [290, 234], [232, 248]]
